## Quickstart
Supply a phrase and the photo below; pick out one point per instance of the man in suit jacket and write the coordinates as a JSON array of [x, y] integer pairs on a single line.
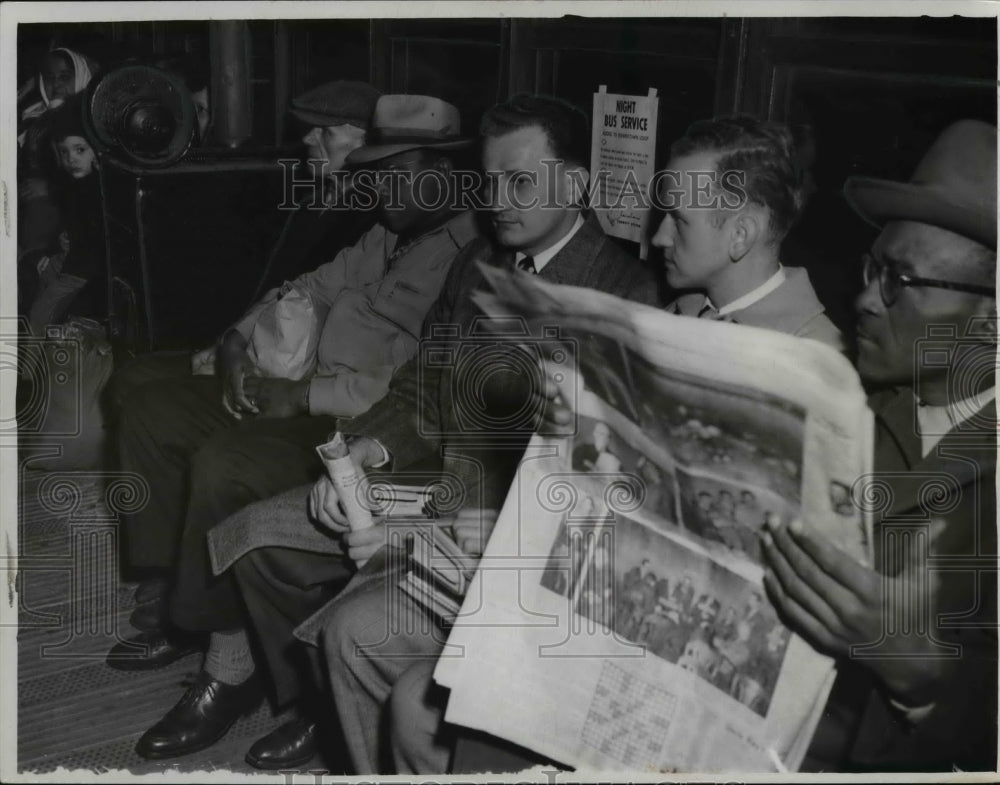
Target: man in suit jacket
[[725, 255], [916, 632], [432, 420], [923, 700]]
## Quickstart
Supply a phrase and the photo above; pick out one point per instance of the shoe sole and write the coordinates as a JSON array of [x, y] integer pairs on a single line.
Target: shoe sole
[[180, 753], [278, 765]]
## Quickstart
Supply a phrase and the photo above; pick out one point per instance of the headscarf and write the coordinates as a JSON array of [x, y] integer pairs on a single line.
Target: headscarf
[[81, 78]]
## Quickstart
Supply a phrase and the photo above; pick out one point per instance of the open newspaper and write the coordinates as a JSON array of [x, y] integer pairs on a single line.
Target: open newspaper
[[618, 619]]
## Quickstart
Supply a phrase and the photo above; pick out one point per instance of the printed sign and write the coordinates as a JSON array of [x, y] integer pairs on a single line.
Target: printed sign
[[623, 148]]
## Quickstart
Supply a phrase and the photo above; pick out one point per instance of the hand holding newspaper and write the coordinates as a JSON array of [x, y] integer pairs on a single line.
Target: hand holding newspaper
[[346, 479], [621, 594]]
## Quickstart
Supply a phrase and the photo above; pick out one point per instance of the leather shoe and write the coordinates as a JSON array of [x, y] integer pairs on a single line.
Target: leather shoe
[[149, 617], [161, 650], [150, 590], [202, 717], [292, 744]]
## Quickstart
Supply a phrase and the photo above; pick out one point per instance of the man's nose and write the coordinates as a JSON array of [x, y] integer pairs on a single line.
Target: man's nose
[[869, 300], [664, 236], [311, 136]]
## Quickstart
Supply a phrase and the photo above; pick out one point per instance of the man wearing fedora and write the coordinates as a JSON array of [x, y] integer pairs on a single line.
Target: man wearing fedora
[[915, 633], [427, 424], [208, 445]]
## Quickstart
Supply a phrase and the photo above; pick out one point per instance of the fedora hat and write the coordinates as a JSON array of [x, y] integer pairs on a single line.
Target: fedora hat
[[953, 187], [410, 122]]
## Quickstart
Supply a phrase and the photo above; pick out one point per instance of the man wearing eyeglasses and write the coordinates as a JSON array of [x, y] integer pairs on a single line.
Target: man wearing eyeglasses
[[915, 635]]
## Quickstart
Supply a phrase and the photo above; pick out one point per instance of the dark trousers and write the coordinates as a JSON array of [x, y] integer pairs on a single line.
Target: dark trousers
[[155, 366], [202, 465], [282, 588]]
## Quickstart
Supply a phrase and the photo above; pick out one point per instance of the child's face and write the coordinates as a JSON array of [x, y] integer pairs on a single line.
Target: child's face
[[76, 157]]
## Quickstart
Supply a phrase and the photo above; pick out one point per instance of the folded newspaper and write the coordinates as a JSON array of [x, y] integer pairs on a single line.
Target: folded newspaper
[[620, 596]]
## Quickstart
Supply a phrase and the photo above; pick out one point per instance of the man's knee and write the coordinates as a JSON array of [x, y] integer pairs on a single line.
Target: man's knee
[[225, 459], [155, 407], [153, 368], [356, 626]]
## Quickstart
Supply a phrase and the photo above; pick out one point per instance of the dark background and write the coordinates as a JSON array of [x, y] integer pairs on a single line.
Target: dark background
[[875, 91]]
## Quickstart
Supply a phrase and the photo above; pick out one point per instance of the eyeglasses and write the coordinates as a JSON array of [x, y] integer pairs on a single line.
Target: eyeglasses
[[891, 282]]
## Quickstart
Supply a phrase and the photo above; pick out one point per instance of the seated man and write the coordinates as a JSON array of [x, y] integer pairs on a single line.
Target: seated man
[[904, 706], [208, 446], [539, 228], [924, 698], [727, 253], [337, 116]]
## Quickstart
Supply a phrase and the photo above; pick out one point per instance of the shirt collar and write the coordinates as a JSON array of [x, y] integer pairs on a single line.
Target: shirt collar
[[753, 296], [542, 258], [934, 422], [461, 228]]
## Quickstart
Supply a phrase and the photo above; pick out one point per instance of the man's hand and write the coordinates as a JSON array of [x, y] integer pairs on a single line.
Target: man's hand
[[556, 418], [472, 528], [324, 503], [277, 397], [836, 603], [365, 543], [203, 362], [234, 366]]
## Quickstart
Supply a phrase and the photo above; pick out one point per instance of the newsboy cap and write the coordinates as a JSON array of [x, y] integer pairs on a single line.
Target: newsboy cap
[[337, 103], [953, 187]]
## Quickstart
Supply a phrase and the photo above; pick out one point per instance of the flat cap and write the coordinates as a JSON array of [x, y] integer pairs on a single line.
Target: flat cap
[[337, 103]]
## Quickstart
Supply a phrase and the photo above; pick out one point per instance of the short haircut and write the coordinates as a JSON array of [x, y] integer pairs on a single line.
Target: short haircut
[[566, 126], [765, 152]]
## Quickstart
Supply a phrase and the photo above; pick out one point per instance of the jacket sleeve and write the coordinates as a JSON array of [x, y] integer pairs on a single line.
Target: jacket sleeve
[[323, 284], [404, 421], [959, 731], [349, 394], [408, 421]]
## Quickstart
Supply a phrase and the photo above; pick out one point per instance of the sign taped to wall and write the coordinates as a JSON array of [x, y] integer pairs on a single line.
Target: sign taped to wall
[[622, 163]]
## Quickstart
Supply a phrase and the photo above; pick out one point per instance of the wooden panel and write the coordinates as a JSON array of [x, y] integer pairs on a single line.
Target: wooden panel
[[571, 58], [467, 74]]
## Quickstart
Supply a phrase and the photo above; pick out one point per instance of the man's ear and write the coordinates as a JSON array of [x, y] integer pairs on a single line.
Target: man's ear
[[983, 320], [444, 165], [745, 230], [576, 181]]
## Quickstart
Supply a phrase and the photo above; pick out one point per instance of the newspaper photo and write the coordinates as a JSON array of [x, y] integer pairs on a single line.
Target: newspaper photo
[[621, 594]]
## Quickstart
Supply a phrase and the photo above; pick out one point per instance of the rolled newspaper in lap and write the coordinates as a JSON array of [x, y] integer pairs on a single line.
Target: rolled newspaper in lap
[[345, 477]]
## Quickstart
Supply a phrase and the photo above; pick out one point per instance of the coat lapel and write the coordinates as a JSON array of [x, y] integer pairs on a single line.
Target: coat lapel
[[963, 455], [573, 265]]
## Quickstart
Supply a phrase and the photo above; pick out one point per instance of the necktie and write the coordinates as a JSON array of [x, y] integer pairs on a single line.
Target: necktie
[[527, 264]]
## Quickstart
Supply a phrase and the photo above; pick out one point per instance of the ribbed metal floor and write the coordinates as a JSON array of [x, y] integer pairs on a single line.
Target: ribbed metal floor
[[73, 710]]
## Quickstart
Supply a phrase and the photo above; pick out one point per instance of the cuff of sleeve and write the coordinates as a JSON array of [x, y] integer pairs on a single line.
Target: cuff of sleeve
[[913, 714], [383, 461]]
